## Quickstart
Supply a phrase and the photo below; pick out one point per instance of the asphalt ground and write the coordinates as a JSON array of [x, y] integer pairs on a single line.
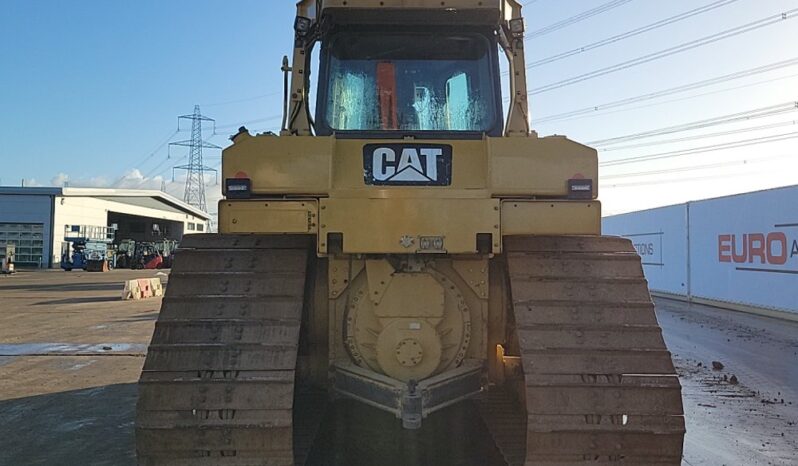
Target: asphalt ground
[[71, 351], [70, 354], [748, 420]]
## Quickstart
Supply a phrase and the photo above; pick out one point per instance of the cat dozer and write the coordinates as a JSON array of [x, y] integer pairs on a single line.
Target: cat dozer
[[409, 247]]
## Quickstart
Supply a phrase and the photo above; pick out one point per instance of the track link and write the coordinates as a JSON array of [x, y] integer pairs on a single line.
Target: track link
[[218, 382], [598, 383]]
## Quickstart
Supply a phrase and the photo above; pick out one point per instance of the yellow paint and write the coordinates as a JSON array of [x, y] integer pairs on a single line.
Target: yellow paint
[[521, 217], [375, 226], [330, 167], [487, 5], [258, 216], [500, 185]]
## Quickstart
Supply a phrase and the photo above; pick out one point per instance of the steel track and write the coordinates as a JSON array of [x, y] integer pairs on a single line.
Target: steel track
[[598, 383], [218, 382]]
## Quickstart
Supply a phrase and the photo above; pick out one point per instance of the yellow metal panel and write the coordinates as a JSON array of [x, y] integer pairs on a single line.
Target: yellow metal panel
[[411, 295], [379, 273], [281, 165], [539, 166], [251, 216], [493, 167], [475, 273], [374, 226], [521, 217], [422, 4]]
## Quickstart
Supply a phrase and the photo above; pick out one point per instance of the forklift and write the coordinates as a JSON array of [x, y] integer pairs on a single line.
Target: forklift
[[8, 260], [86, 247], [145, 254]]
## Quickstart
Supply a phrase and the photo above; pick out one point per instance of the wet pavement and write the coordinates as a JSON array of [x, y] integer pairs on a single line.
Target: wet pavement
[[92, 426], [71, 352], [748, 420], [46, 349]]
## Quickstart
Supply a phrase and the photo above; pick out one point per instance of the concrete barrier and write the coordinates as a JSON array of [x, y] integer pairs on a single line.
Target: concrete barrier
[[142, 288]]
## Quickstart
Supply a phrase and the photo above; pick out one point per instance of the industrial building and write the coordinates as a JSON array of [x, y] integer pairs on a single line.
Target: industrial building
[[738, 252], [36, 219]]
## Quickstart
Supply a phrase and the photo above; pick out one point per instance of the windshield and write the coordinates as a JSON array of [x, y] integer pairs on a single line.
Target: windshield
[[409, 82]]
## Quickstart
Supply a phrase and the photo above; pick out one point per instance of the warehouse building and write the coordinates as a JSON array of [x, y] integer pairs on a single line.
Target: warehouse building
[[738, 252], [36, 219]]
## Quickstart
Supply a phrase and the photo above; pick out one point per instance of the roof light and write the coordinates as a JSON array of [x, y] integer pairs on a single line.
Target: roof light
[[302, 26], [517, 26]]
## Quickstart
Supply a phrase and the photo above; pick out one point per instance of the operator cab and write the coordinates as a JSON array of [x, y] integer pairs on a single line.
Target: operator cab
[[424, 83], [396, 71]]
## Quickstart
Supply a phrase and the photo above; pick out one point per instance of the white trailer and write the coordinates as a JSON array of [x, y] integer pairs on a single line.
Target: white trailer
[[739, 252]]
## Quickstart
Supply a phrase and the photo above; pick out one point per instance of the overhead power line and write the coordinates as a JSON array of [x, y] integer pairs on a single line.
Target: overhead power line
[[161, 145], [244, 123], [698, 150], [723, 119], [157, 149], [157, 171], [712, 38], [685, 180], [632, 33], [688, 97], [575, 19], [673, 90], [154, 170], [781, 124], [690, 168]]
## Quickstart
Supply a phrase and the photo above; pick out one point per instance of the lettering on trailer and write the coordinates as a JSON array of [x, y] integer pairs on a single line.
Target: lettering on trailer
[[648, 246], [644, 249], [773, 252], [407, 164]]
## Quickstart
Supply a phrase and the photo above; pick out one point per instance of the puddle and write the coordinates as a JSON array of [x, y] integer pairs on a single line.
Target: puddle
[[91, 392], [54, 349], [80, 366], [73, 426]]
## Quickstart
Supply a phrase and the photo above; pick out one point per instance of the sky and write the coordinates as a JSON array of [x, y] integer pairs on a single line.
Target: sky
[[90, 91]]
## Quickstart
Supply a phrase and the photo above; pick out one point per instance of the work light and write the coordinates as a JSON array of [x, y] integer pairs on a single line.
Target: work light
[[302, 26], [517, 26]]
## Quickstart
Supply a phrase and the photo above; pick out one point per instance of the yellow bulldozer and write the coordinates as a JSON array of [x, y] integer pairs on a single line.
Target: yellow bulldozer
[[410, 246]]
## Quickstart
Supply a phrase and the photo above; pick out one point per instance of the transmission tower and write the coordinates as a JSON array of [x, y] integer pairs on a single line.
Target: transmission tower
[[195, 179]]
